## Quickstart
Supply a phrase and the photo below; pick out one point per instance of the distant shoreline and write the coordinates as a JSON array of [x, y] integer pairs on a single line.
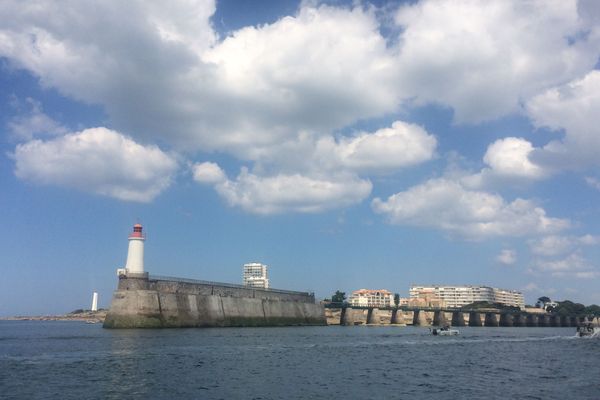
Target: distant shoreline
[[84, 316]]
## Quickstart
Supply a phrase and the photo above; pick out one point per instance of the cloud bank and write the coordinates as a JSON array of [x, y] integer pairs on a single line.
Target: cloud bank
[[284, 99], [99, 161], [447, 205]]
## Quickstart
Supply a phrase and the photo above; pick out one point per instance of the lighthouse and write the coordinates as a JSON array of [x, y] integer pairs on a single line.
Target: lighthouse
[[95, 302], [135, 253]]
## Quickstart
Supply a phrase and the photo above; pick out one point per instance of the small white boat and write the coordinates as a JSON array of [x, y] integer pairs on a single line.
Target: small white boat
[[444, 331], [588, 330]]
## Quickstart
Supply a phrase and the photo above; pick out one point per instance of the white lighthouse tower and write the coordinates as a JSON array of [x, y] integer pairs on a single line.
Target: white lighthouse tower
[[95, 302], [135, 253]]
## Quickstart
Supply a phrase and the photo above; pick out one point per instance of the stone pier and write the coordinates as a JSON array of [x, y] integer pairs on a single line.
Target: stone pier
[[491, 319], [458, 319], [372, 318], [506, 320], [436, 317], [475, 319], [519, 320], [439, 318], [419, 318], [543, 320], [531, 320], [351, 316]]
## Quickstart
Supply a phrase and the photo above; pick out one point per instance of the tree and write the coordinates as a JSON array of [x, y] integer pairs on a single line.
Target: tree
[[396, 299], [592, 310], [338, 297], [567, 307], [541, 303]]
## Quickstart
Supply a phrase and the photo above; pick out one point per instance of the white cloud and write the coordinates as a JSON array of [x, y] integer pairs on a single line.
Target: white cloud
[[292, 193], [574, 265], [551, 245], [555, 245], [399, 146], [569, 250], [588, 240], [510, 157], [161, 74], [573, 107], [275, 94], [507, 257], [484, 58], [208, 172], [385, 150], [322, 69], [531, 287], [587, 274], [97, 160], [446, 205], [315, 174], [33, 122], [508, 161], [592, 182]]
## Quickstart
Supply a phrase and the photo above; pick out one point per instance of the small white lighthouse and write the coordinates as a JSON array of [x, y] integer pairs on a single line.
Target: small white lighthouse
[[95, 302], [135, 254]]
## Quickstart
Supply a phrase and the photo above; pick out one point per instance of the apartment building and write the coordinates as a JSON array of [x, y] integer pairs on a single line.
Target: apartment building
[[372, 298], [255, 275], [458, 296]]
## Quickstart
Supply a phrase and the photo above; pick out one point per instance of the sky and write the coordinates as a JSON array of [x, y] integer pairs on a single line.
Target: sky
[[346, 145]]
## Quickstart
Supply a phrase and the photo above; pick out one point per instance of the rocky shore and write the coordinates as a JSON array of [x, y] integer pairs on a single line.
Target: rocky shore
[[78, 315]]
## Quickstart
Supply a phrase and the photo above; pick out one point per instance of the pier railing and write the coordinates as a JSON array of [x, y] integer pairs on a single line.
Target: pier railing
[[230, 285]]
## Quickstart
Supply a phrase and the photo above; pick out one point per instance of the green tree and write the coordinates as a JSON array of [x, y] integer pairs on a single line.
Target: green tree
[[396, 299], [567, 307], [593, 310], [338, 297], [541, 303]]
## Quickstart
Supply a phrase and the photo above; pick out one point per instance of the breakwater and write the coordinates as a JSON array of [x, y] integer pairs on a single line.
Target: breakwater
[[429, 317], [143, 301]]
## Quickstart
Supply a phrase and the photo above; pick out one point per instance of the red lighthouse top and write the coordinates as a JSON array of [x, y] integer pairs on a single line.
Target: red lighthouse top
[[137, 232]]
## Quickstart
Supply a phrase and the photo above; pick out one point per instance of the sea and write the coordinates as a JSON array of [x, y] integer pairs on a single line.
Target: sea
[[74, 360]]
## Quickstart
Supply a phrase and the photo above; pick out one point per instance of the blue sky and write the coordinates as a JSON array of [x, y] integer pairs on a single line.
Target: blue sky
[[347, 145]]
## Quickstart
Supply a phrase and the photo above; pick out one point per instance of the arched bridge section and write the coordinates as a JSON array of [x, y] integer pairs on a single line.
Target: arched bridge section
[[344, 314]]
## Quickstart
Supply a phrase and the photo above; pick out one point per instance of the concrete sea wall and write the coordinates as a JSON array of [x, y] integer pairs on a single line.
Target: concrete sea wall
[[142, 302]]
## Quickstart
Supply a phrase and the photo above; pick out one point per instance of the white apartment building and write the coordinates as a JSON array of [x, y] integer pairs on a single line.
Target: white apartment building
[[255, 275], [372, 298], [458, 296]]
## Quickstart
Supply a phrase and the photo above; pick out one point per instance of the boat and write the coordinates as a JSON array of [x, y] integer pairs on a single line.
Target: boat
[[444, 331], [588, 330]]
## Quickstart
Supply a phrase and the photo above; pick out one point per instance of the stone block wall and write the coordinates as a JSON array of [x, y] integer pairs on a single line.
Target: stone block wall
[[148, 303]]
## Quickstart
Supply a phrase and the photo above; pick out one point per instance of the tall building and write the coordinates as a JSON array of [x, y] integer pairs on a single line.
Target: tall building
[[255, 275], [372, 298], [458, 296]]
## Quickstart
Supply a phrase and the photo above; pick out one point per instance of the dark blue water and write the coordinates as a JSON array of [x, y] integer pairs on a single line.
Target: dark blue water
[[72, 360]]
